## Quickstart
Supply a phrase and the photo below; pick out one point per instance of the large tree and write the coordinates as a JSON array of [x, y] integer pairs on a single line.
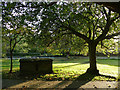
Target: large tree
[[92, 22]]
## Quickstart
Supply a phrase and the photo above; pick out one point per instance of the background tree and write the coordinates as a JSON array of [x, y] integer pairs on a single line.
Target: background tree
[[13, 27], [68, 44]]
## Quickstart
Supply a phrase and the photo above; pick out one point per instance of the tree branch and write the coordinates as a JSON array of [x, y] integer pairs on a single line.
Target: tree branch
[[100, 28], [72, 30], [106, 29], [115, 18], [52, 3], [105, 12], [17, 41], [77, 33], [102, 45], [89, 33], [112, 35]]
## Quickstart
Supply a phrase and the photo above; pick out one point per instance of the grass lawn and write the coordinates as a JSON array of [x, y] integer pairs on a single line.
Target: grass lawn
[[69, 69]]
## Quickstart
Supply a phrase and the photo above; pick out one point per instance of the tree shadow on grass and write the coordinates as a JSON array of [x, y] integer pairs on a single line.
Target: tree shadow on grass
[[14, 78], [11, 79], [10, 82], [107, 76], [82, 80], [86, 62]]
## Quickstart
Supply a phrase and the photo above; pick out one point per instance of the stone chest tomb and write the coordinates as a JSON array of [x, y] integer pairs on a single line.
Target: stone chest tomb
[[38, 65]]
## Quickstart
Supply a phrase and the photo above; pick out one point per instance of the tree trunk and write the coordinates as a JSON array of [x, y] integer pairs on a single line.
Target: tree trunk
[[92, 58], [11, 65]]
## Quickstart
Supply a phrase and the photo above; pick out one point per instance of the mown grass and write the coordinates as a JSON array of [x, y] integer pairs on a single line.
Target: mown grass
[[69, 69], [6, 64]]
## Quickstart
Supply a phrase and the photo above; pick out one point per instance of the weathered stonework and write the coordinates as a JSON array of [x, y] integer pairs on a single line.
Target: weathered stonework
[[33, 66]]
